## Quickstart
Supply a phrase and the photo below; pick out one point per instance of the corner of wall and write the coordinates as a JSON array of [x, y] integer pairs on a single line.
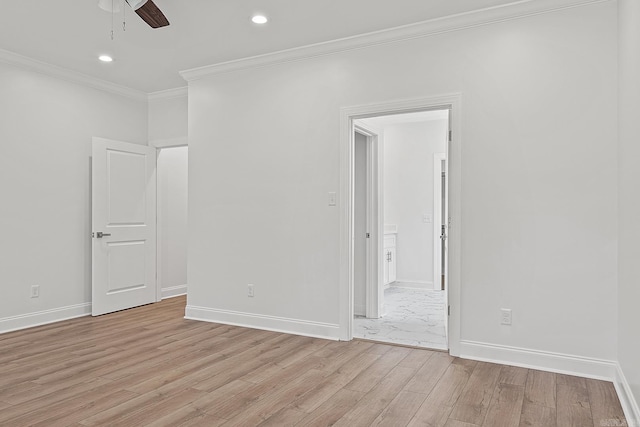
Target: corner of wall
[[627, 400]]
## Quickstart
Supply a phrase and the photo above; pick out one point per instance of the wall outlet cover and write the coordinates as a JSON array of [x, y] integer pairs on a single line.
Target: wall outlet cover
[[506, 316]]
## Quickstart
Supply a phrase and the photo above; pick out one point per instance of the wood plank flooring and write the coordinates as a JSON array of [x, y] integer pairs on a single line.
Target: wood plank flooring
[[149, 366]]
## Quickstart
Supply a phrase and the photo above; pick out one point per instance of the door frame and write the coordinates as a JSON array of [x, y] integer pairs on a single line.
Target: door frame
[[453, 102], [374, 223], [159, 145]]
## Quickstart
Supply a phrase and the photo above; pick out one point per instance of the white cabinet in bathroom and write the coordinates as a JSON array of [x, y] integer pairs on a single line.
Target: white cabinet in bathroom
[[389, 260]]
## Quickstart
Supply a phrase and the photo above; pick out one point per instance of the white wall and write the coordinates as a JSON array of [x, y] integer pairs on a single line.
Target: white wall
[[538, 170], [172, 172], [167, 118], [408, 194], [629, 203], [45, 148]]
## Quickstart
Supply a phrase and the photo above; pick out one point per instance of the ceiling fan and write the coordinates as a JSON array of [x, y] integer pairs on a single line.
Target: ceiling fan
[[146, 9]]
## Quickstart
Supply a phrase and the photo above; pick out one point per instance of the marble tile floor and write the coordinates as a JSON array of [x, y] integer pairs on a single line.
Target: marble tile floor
[[413, 317]]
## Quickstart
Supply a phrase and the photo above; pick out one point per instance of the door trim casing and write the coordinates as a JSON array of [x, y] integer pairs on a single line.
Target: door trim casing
[[346, 201]]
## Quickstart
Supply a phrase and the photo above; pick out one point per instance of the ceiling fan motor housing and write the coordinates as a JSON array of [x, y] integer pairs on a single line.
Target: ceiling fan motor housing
[[136, 4], [146, 9]]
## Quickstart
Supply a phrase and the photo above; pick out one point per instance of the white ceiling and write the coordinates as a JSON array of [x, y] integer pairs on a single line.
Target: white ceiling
[[72, 33]]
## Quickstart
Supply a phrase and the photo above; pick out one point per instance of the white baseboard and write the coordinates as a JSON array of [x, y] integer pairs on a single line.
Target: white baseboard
[[627, 400], [29, 320], [414, 284], [269, 323], [542, 360], [174, 291]]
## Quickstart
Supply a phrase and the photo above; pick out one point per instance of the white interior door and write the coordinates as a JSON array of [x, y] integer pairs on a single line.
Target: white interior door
[[360, 225], [368, 213], [441, 229], [124, 225], [445, 243], [445, 231], [439, 216]]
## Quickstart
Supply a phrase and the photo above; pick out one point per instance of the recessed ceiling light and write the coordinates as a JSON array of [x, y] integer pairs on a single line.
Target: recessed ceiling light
[[105, 58], [259, 19]]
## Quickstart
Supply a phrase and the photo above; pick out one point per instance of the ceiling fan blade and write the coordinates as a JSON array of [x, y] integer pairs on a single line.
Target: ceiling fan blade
[[150, 14]]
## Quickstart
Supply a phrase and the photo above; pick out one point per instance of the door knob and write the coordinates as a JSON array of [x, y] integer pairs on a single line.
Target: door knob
[[100, 234]]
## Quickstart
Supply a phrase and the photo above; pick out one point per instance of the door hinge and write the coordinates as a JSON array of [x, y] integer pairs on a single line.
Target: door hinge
[[449, 310], [368, 235], [449, 136]]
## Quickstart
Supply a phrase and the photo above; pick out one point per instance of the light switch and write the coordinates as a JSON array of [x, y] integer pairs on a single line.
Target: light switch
[[332, 198], [427, 218]]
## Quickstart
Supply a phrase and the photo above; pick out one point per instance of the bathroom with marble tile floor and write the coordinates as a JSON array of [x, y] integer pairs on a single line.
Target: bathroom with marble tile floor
[[413, 317]]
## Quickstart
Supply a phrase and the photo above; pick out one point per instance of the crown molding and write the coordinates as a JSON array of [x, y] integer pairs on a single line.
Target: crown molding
[[178, 92], [30, 64], [480, 17]]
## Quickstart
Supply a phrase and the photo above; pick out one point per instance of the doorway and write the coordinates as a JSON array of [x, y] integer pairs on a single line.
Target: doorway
[[172, 231], [352, 118], [139, 218], [412, 303]]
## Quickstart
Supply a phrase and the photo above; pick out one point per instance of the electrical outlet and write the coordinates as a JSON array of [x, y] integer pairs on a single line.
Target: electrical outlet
[[250, 290], [35, 291], [506, 316]]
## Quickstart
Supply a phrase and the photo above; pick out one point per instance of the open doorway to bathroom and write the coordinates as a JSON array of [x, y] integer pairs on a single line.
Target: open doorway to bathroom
[[401, 297]]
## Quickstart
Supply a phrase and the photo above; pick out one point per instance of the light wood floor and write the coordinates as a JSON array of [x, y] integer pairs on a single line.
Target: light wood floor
[[149, 366]]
